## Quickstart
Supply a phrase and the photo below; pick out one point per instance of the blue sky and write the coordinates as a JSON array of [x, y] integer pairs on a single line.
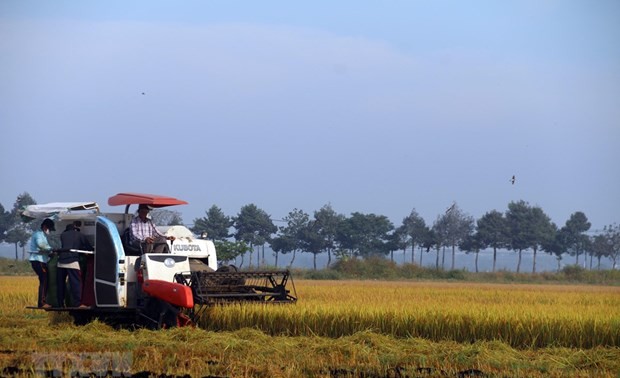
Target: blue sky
[[377, 107]]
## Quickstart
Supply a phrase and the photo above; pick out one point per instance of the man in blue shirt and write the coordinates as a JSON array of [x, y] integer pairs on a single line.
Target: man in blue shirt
[[39, 256]]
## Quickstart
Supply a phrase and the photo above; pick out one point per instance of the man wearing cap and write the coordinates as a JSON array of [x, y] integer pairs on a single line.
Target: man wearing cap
[[40, 250], [144, 233]]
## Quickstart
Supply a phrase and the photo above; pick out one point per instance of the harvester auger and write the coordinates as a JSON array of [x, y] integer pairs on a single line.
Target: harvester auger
[[227, 285]]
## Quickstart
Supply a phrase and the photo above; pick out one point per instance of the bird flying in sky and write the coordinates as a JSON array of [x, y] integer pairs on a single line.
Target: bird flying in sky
[[450, 208]]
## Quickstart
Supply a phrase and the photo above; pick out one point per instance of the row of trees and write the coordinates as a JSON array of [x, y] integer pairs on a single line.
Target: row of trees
[[520, 228]]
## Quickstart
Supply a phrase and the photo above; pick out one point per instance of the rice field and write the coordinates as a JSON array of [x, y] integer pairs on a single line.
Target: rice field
[[342, 329], [522, 316]]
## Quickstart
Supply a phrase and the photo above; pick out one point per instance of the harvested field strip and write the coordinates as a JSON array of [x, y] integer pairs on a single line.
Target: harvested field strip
[[251, 353]]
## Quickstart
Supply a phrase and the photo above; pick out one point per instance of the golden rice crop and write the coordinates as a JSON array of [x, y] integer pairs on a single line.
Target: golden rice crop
[[17, 292], [370, 329], [520, 315]]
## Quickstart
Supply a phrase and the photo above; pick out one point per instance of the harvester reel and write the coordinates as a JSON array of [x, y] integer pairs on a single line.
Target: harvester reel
[[228, 285]]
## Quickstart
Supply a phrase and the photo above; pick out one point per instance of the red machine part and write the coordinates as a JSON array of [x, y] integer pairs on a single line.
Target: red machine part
[[171, 292]]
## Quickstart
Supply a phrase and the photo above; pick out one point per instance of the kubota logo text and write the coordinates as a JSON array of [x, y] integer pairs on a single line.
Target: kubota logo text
[[186, 248]]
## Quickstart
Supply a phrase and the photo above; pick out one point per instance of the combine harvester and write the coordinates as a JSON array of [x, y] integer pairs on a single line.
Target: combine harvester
[[123, 287]]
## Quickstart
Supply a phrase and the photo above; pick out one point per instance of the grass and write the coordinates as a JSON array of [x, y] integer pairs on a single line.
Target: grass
[[11, 267], [327, 334], [383, 269]]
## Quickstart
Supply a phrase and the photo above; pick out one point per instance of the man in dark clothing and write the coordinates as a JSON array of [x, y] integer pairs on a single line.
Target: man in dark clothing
[[69, 265]]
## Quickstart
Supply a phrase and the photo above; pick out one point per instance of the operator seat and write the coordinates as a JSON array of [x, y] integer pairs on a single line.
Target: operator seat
[[130, 249]]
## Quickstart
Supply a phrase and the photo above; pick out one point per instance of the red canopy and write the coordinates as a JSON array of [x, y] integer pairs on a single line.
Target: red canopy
[[141, 198]]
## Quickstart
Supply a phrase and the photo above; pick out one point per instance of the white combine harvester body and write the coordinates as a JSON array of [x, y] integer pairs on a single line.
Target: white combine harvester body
[[124, 286]]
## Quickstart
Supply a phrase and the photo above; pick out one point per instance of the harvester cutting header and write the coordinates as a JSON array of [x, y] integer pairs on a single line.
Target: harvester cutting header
[[127, 283]]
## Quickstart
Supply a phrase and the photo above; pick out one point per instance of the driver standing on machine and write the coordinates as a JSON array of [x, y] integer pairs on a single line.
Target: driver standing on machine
[[144, 234]]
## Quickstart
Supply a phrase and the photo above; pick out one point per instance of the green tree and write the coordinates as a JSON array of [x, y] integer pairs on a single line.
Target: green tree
[[326, 223], [5, 222], [395, 241], [229, 250], [164, 217], [574, 234], [365, 234], [555, 245], [529, 227], [312, 241], [491, 230], [458, 225], [601, 247], [426, 243], [612, 234], [215, 224], [414, 228], [19, 232], [401, 241], [266, 231], [437, 239], [588, 249], [253, 226], [517, 219], [472, 243], [282, 244], [541, 231], [290, 238]]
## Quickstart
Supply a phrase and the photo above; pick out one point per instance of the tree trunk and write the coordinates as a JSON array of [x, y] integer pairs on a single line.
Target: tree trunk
[[421, 253], [577, 258], [453, 248], [293, 259], [494, 258], [329, 256], [391, 257], [413, 252], [404, 253], [534, 262], [519, 262], [16, 252], [559, 258], [443, 258], [277, 254], [477, 261], [263, 255], [437, 260], [314, 261]]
